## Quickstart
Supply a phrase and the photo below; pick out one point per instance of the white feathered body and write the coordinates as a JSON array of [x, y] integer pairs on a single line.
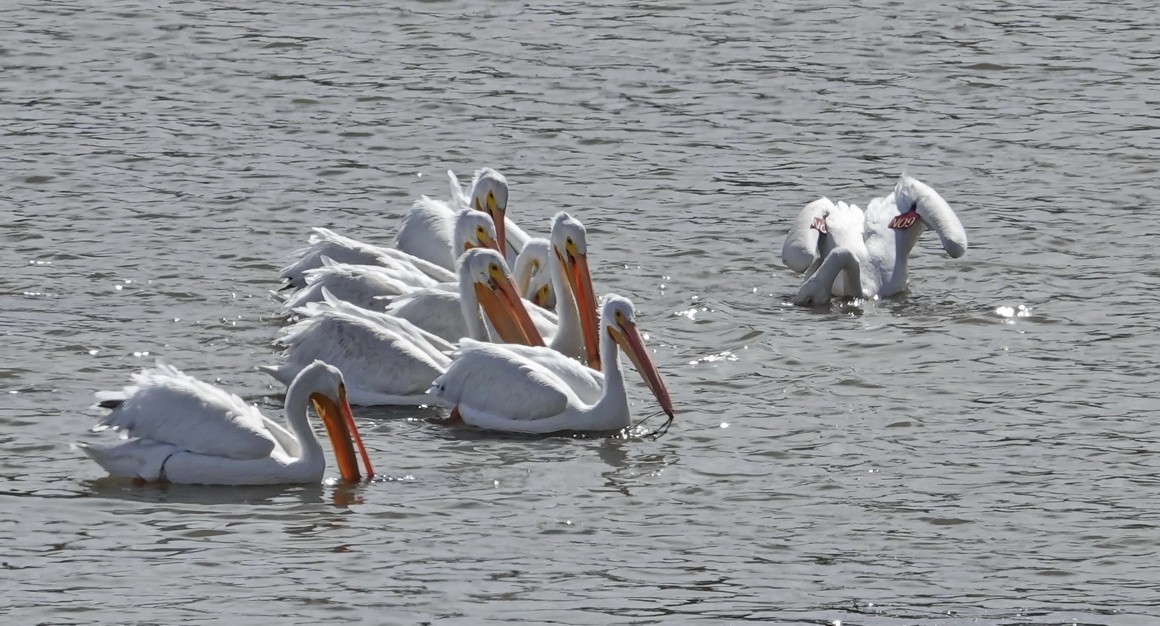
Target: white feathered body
[[497, 388], [385, 360], [188, 431], [866, 240]]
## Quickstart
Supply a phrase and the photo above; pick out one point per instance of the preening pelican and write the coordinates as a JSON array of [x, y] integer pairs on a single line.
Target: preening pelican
[[325, 243], [494, 388], [188, 431], [846, 252], [370, 286], [425, 230], [390, 361]]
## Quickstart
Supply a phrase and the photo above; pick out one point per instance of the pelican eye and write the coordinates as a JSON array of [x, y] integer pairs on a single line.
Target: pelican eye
[[493, 268]]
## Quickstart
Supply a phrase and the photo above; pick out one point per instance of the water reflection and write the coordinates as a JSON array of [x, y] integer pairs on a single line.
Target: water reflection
[[252, 495]]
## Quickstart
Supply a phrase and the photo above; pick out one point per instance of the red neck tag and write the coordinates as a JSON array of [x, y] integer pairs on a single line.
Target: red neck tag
[[819, 224], [904, 221]]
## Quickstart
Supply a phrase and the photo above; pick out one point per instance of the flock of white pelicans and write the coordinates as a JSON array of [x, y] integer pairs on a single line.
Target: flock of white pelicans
[[440, 319]]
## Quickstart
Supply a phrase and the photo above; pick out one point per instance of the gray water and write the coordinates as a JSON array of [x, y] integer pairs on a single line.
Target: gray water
[[944, 457]]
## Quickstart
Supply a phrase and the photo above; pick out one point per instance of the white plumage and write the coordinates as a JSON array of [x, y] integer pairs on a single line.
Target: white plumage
[[373, 286], [426, 229], [325, 243], [847, 252], [531, 274], [186, 431], [389, 360], [497, 388]]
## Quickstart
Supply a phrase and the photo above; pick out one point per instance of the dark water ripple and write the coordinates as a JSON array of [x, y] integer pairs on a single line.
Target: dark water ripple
[[942, 458]]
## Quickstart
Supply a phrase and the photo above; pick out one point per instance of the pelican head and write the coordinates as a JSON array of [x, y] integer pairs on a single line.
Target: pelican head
[[570, 245], [914, 196], [473, 230], [619, 318], [531, 273], [327, 393], [484, 271], [489, 193]]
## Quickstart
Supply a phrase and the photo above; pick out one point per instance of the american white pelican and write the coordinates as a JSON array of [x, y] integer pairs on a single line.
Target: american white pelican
[[390, 361], [576, 335], [574, 339], [453, 315], [846, 252], [426, 229], [325, 243], [531, 274], [370, 286], [492, 387], [438, 311], [188, 431]]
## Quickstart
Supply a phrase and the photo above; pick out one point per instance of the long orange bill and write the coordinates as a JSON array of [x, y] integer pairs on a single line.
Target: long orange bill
[[497, 216], [633, 345], [340, 428], [581, 282], [348, 417], [504, 308]]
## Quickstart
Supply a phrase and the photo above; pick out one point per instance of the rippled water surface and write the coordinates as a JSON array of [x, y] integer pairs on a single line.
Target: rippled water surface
[[944, 457]]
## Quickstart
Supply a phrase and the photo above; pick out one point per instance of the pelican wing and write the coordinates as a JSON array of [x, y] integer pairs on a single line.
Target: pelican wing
[[801, 248], [547, 322], [426, 230], [487, 379], [168, 406], [435, 310], [438, 347], [327, 243], [585, 382], [370, 356]]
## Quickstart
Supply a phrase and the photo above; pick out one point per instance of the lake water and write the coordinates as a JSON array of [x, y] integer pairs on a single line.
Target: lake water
[[944, 457]]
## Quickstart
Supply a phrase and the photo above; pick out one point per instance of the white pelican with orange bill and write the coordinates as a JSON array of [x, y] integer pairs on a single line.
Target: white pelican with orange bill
[[533, 280], [187, 431], [494, 388], [425, 230], [390, 361], [847, 252], [439, 310]]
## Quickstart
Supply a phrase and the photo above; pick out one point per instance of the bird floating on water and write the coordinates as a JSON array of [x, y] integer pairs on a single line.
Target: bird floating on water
[[391, 361], [844, 251], [425, 230], [187, 431], [494, 388]]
